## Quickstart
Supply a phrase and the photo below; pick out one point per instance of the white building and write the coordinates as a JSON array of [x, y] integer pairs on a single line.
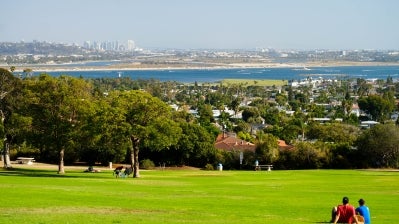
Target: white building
[[130, 45]]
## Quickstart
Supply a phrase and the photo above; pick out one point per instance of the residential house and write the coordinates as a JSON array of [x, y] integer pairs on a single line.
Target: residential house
[[228, 142]]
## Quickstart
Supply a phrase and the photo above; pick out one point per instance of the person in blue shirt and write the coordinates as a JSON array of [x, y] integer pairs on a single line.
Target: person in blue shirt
[[364, 211]]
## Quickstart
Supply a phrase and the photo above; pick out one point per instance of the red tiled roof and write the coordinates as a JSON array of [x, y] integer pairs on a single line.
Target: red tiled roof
[[283, 145], [231, 143]]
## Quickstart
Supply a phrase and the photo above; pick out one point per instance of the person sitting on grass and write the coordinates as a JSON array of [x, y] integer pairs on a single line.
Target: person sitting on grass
[[90, 169], [344, 213], [128, 171], [117, 171], [364, 211]]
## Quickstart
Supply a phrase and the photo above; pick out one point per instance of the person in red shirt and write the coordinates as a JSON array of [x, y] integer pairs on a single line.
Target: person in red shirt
[[345, 213]]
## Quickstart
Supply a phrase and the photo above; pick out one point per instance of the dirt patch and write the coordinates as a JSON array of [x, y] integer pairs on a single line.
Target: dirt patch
[[37, 165], [46, 166]]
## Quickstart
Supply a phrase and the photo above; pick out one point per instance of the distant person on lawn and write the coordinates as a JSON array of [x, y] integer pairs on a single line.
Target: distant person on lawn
[[364, 211], [344, 213]]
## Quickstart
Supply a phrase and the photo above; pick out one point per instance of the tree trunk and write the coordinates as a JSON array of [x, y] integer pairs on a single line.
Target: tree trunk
[[135, 156], [6, 155], [61, 169], [6, 150], [136, 162], [131, 156]]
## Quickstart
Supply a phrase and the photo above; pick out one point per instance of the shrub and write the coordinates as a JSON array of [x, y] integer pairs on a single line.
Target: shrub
[[24, 150], [208, 167], [147, 164]]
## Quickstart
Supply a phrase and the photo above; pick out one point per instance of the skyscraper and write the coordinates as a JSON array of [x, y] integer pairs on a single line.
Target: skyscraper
[[130, 45]]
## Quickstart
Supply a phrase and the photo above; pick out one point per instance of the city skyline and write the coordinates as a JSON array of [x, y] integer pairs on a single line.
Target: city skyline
[[115, 45], [222, 24]]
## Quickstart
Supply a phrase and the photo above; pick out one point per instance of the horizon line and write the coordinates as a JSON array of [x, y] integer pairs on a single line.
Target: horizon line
[[215, 48]]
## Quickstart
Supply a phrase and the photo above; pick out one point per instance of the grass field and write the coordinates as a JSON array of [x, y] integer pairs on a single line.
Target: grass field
[[254, 82], [193, 196]]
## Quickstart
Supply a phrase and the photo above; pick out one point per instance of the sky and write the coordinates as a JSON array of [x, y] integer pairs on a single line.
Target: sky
[[207, 24]]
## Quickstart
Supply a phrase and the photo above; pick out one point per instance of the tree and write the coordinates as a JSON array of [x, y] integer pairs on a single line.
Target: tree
[[224, 120], [334, 132], [323, 97], [267, 148], [28, 72], [292, 129], [235, 104], [206, 114], [9, 86], [281, 99], [307, 156], [57, 106], [377, 106], [272, 116], [103, 134], [195, 147], [315, 110], [251, 115], [347, 104], [363, 88], [379, 146], [149, 123]]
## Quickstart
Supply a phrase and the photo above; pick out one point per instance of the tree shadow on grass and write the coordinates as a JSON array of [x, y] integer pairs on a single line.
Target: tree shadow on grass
[[47, 173]]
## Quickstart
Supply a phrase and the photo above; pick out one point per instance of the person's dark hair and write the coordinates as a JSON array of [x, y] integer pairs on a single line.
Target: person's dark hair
[[361, 201], [345, 200]]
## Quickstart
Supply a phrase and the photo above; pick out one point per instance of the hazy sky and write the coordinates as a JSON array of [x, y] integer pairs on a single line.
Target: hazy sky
[[281, 24]]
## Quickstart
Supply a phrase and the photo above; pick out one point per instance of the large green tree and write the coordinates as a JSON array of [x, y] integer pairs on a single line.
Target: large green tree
[[205, 114], [307, 156], [333, 132], [57, 106], [379, 146], [267, 150], [103, 134], [149, 123], [379, 107], [9, 90], [195, 147]]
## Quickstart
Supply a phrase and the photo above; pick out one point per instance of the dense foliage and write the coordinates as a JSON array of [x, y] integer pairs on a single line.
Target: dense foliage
[[67, 119]]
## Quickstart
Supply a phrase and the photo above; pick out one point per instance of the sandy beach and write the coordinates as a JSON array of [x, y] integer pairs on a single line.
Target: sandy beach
[[205, 66]]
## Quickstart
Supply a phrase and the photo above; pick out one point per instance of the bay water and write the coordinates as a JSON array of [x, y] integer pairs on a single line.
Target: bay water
[[215, 75]]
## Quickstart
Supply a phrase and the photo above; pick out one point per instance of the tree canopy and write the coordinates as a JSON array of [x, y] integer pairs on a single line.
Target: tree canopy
[[10, 87], [71, 119], [379, 146], [148, 120], [57, 106]]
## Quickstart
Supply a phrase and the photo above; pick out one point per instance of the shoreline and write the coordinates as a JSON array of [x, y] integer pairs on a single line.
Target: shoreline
[[139, 67]]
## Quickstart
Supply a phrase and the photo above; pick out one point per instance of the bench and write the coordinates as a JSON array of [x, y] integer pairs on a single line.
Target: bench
[[25, 160], [268, 167]]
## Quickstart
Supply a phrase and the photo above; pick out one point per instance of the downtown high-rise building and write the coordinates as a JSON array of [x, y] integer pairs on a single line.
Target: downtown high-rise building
[[109, 45], [130, 45]]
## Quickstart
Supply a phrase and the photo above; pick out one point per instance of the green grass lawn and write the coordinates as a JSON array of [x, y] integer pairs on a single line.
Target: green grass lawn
[[42, 196], [254, 82]]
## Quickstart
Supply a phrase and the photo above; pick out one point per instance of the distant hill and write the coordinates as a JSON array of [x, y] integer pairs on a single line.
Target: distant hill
[[39, 48]]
